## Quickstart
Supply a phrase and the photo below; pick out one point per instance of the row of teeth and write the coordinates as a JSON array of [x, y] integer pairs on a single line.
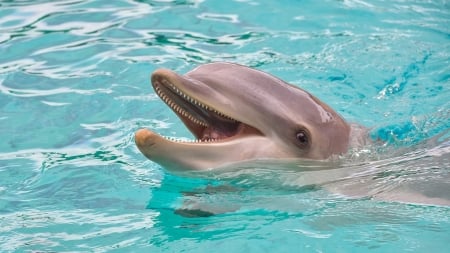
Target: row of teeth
[[178, 109], [191, 141], [191, 100]]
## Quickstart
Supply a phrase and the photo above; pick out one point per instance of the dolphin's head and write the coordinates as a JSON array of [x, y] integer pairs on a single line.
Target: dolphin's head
[[237, 113]]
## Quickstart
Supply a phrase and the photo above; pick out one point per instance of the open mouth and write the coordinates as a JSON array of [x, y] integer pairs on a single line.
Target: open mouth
[[206, 123]]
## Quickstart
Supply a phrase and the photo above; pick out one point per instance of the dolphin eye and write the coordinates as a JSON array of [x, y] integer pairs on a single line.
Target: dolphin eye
[[302, 138]]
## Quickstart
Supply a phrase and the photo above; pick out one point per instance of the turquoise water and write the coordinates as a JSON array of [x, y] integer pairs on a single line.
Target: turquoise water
[[74, 86]]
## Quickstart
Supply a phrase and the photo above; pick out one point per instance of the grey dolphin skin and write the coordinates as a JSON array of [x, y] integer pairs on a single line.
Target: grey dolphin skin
[[237, 113]]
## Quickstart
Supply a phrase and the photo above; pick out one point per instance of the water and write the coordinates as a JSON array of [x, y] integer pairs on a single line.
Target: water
[[74, 86]]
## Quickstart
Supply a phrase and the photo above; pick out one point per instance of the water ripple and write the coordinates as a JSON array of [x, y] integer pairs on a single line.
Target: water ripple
[[99, 225], [44, 93]]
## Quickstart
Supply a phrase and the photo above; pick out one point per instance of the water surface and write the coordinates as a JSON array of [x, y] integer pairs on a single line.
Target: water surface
[[74, 86]]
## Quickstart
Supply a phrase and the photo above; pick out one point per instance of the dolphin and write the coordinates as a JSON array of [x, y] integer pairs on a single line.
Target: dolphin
[[236, 114]]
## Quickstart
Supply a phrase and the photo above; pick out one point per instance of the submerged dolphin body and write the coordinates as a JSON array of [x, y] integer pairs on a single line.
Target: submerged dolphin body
[[239, 113]]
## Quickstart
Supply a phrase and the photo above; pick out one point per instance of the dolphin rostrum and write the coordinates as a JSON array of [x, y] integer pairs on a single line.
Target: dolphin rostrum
[[237, 113]]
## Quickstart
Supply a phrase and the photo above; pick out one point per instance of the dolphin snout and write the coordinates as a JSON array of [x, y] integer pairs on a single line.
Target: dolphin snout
[[144, 139]]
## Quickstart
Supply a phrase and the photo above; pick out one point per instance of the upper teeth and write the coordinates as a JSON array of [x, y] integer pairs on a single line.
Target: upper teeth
[[180, 110], [184, 112]]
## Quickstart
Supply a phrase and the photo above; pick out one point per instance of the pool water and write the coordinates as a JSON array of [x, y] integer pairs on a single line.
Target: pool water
[[74, 87]]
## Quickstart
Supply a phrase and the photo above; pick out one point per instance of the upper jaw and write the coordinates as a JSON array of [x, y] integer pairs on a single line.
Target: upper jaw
[[201, 117]]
